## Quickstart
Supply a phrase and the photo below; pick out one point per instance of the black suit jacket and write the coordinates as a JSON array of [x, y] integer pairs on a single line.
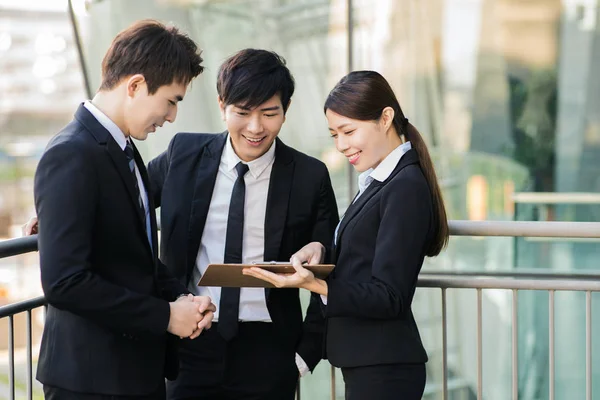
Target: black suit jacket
[[301, 208], [380, 250], [108, 312]]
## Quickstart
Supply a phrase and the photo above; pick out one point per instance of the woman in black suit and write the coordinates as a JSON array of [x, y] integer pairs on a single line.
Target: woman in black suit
[[396, 219]]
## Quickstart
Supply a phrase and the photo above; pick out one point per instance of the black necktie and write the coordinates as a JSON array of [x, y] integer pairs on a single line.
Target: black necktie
[[229, 306], [131, 159]]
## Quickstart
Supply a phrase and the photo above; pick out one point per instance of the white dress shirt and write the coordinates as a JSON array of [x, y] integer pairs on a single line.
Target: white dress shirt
[[253, 304], [380, 174], [121, 140]]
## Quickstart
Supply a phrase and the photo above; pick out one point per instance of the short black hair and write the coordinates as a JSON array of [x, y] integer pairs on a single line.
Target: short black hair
[[251, 76], [163, 54]]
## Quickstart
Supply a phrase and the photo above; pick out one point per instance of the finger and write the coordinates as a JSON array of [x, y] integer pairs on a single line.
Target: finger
[[204, 324], [298, 266], [204, 303], [208, 319], [195, 334]]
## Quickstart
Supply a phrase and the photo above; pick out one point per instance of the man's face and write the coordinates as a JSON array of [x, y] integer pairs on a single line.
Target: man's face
[[145, 112], [253, 131]]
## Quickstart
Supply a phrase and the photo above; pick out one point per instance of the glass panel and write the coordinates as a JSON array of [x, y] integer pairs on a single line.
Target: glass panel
[[309, 34]]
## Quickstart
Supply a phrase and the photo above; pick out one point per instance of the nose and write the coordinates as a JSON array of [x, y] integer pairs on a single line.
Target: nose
[[255, 125], [341, 144], [171, 115]]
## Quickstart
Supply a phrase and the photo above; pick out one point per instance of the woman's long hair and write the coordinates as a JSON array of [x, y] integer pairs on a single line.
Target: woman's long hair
[[363, 95]]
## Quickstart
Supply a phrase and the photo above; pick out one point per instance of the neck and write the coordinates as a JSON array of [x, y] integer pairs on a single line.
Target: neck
[[393, 139], [111, 104]]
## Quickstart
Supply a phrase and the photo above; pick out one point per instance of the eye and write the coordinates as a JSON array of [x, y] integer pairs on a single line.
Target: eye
[[334, 136], [349, 132], [270, 115], [241, 113], [172, 103]]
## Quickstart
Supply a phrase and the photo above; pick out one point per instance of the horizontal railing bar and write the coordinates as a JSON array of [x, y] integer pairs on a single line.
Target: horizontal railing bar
[[452, 282], [21, 306], [556, 198], [519, 273], [525, 229], [13, 247]]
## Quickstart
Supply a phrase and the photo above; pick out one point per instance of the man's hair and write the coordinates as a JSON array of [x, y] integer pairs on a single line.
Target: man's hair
[[250, 77], [161, 53]]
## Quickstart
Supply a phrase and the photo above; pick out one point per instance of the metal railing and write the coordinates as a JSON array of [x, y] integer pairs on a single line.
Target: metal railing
[[478, 281]]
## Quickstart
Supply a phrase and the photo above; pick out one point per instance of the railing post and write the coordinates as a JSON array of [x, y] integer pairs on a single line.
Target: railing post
[[444, 348], [479, 347], [11, 357], [332, 376], [515, 347], [588, 345], [29, 358], [551, 342]]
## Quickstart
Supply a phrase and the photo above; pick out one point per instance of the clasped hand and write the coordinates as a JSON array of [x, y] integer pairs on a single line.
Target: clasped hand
[[190, 315]]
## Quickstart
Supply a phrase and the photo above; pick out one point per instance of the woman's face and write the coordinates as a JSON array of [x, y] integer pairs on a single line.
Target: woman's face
[[364, 143]]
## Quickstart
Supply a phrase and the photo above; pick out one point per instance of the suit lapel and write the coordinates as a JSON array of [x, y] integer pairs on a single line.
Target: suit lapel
[[410, 157], [117, 155], [355, 208], [206, 177], [151, 210], [280, 186]]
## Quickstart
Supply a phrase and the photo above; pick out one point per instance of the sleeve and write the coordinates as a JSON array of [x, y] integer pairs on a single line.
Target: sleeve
[[170, 287], [157, 172], [66, 196], [403, 233]]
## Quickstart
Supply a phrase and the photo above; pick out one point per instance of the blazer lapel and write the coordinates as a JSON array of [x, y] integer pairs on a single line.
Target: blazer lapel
[[203, 189], [151, 209], [280, 186], [355, 208], [116, 154], [410, 157]]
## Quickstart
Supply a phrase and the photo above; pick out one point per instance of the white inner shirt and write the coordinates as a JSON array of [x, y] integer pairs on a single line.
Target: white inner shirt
[[253, 304]]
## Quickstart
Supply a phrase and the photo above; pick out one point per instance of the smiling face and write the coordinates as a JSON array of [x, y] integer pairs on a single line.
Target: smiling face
[[253, 131], [145, 112], [364, 143]]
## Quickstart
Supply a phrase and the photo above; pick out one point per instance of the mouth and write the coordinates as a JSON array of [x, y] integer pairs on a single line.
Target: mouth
[[353, 158], [254, 141]]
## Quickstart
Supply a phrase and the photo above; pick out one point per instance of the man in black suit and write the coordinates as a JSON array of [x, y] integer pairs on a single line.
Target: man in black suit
[[111, 302], [244, 196]]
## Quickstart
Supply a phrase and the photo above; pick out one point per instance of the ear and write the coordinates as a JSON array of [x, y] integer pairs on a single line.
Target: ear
[[387, 118], [222, 106], [135, 83]]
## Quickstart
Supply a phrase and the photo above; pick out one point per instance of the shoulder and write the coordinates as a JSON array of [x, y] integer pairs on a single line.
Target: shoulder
[[188, 142], [409, 182], [73, 140]]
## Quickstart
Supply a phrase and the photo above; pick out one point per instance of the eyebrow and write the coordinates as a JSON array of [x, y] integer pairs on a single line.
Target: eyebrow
[[340, 126], [274, 108]]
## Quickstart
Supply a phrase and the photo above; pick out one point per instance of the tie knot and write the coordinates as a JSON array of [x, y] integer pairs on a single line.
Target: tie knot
[[128, 150], [241, 169]]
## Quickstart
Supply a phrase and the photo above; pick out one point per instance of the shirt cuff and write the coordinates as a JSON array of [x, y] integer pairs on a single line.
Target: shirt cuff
[[324, 299], [302, 367]]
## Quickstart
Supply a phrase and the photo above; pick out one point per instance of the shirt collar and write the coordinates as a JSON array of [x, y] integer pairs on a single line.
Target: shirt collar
[[257, 167], [385, 168], [107, 123]]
